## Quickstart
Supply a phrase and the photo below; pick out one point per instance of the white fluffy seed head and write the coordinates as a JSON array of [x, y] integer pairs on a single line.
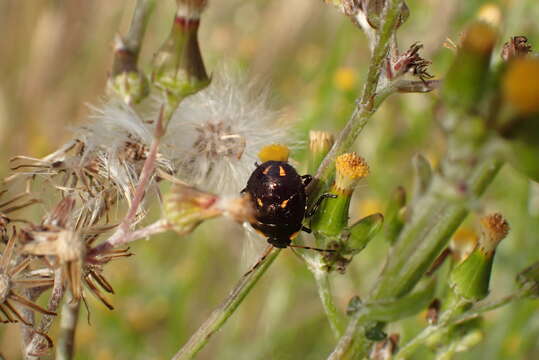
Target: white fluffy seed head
[[117, 141], [217, 133]]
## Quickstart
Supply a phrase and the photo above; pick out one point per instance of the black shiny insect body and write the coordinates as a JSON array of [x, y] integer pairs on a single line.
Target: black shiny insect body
[[278, 196]]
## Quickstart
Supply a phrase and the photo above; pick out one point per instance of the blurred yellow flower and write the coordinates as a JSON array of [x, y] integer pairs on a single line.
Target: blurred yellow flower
[[521, 85], [490, 13], [345, 78]]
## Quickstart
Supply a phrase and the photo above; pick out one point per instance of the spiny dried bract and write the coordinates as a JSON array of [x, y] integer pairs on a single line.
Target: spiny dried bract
[[7, 207], [66, 242], [515, 47], [12, 277], [410, 62], [102, 165], [218, 132]]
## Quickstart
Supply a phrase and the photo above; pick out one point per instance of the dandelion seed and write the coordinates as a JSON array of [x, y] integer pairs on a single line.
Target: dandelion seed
[[218, 132]]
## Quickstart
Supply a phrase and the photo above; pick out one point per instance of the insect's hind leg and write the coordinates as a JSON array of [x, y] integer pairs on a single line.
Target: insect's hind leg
[[260, 261]]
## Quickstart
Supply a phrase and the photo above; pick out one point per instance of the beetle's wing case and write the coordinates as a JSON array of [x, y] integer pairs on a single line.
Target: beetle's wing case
[[278, 197]]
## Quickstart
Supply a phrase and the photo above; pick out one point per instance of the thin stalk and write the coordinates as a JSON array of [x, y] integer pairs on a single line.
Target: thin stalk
[[451, 320], [219, 316], [65, 348], [336, 320], [27, 331], [120, 236], [156, 228], [368, 102], [37, 343], [139, 23]]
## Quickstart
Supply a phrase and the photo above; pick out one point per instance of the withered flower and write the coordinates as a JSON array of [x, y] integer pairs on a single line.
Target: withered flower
[[410, 62], [515, 47], [12, 277], [67, 244]]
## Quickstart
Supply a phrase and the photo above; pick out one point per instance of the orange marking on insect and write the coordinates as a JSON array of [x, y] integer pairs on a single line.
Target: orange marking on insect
[[266, 170], [259, 202], [284, 203], [294, 235], [281, 171]]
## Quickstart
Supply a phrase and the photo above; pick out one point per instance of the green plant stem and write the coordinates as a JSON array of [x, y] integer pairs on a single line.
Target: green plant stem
[[336, 319], [419, 243], [219, 316], [139, 23], [369, 100], [450, 320]]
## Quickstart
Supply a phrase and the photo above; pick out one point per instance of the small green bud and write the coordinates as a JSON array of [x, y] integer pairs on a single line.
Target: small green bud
[[375, 8], [320, 142], [375, 332], [332, 217], [354, 305], [178, 66], [362, 232], [528, 281], [126, 81], [394, 214], [465, 81], [470, 279], [187, 207], [423, 175]]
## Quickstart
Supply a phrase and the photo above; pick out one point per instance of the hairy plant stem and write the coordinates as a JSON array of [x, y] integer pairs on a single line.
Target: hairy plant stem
[[219, 316], [449, 320], [137, 28], [369, 102], [36, 344], [65, 348], [336, 319], [437, 217]]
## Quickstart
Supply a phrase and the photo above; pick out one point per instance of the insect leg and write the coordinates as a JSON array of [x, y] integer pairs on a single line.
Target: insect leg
[[306, 229], [312, 248], [306, 180], [318, 202]]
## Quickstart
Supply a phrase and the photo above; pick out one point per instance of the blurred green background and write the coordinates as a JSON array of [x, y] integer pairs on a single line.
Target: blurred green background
[[54, 59]]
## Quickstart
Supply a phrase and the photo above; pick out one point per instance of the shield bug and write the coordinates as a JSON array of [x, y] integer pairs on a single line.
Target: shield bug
[[279, 199]]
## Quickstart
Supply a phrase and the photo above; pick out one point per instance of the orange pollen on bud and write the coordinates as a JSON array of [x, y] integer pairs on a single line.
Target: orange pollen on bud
[[351, 165], [350, 169]]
